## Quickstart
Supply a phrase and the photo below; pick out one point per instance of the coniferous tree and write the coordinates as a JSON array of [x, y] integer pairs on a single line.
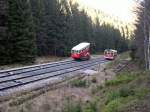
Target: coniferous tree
[[4, 40], [21, 32]]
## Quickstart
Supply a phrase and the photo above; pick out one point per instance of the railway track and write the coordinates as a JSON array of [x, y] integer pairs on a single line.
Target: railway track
[[27, 75]]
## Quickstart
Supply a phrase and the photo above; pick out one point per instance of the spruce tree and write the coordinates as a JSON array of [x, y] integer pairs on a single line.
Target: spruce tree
[[4, 41], [21, 28]]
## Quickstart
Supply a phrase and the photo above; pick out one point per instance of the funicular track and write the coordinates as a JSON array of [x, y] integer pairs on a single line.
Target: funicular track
[[18, 77]]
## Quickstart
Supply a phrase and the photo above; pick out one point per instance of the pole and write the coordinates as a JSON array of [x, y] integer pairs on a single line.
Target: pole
[[149, 50], [145, 39], [147, 35]]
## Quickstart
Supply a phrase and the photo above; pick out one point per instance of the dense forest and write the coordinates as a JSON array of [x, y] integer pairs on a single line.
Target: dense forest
[[31, 28], [142, 33]]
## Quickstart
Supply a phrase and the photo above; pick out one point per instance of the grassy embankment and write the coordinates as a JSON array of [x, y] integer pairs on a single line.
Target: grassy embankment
[[129, 91]]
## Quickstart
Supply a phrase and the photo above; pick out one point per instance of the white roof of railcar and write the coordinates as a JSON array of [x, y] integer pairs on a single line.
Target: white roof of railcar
[[81, 46], [111, 50], [114, 50]]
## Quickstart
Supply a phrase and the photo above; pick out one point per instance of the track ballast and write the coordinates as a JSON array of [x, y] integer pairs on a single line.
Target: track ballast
[[14, 78]]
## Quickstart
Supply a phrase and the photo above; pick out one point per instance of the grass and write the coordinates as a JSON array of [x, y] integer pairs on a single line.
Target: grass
[[127, 90], [78, 83], [124, 91], [123, 78], [120, 93], [113, 105]]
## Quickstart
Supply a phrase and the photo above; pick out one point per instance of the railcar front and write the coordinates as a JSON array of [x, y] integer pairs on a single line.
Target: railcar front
[[81, 51], [110, 54]]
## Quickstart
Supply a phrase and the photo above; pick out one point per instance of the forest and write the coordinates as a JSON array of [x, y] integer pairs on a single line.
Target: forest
[[33, 28]]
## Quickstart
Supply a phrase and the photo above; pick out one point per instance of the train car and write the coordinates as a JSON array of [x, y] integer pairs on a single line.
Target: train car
[[110, 54], [81, 51]]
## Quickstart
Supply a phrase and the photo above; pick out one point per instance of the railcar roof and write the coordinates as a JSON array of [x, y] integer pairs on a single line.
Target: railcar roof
[[81, 46], [111, 50]]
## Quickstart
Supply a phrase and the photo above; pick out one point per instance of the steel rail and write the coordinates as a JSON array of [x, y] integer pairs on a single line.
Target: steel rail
[[32, 68], [26, 70], [41, 72]]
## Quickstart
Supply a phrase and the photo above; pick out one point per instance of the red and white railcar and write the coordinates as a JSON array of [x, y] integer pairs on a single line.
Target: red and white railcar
[[110, 54], [81, 51]]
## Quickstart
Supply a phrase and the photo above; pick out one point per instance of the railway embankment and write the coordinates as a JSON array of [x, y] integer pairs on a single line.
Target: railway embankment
[[118, 86]]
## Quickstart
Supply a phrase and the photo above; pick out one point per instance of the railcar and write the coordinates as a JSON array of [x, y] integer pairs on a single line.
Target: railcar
[[110, 54], [81, 51]]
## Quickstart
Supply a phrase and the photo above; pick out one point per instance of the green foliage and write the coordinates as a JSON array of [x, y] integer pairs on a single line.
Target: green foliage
[[124, 78], [126, 91], [112, 96], [113, 105], [122, 92], [90, 107], [79, 83]]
